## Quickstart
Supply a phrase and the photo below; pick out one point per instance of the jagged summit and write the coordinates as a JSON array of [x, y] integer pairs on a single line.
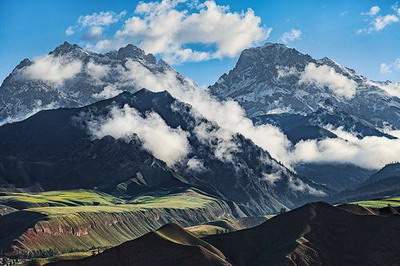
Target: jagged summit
[[67, 48], [79, 78]]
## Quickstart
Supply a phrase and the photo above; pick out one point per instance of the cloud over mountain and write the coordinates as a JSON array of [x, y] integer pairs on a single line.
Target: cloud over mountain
[[327, 76], [53, 69], [165, 143]]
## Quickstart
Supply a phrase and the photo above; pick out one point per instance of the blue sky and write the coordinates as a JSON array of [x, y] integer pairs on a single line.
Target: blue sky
[[336, 29]]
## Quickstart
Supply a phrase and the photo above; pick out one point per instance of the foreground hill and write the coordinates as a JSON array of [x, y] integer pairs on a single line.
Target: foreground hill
[[315, 234], [168, 246], [57, 149]]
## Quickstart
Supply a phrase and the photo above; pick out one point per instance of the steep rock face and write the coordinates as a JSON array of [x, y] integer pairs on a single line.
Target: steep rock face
[[96, 77], [66, 229], [56, 150], [266, 79]]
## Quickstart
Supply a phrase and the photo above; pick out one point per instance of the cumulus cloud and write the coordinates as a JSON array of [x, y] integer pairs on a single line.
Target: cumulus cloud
[[290, 36], [53, 69], [93, 25], [372, 11], [382, 22], [97, 71], [165, 143], [172, 28], [369, 152], [379, 22], [326, 76]]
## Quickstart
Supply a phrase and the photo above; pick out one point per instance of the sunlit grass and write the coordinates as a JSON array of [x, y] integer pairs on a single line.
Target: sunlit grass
[[380, 203]]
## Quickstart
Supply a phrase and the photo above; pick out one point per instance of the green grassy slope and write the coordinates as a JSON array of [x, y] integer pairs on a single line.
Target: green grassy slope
[[57, 198], [380, 203], [81, 220]]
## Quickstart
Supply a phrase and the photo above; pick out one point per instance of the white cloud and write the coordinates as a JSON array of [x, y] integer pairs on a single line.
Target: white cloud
[[385, 69], [196, 165], [108, 91], [379, 23], [94, 32], [169, 27], [382, 22], [97, 71], [327, 76], [392, 88], [53, 69], [165, 143], [290, 36], [369, 152], [100, 19], [94, 23], [69, 31], [220, 139], [372, 11]]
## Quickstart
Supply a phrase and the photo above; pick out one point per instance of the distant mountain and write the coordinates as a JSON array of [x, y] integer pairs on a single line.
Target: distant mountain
[[389, 171], [71, 76], [55, 149], [293, 91], [384, 183], [267, 80], [315, 234]]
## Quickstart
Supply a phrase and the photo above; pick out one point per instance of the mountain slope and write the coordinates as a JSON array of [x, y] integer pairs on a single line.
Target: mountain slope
[[56, 149]]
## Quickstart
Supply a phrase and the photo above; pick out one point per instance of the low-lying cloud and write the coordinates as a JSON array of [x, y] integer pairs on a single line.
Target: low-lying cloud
[[53, 69], [326, 76], [368, 152], [163, 142]]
